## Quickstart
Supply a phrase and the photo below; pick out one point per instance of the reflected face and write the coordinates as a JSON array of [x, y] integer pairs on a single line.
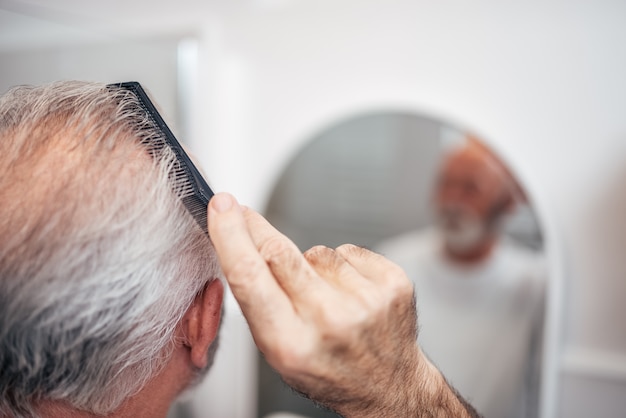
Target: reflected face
[[469, 197]]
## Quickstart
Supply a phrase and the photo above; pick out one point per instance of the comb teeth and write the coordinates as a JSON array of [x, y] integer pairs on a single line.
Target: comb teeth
[[197, 208], [186, 181]]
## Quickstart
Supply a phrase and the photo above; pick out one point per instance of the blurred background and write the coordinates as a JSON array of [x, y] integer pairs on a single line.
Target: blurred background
[[258, 87]]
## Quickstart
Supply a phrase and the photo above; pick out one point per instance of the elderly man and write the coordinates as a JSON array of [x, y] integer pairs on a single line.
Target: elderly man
[[483, 289], [109, 298]]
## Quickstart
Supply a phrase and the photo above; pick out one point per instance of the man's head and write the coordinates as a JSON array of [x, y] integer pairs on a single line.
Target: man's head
[[472, 195], [105, 279]]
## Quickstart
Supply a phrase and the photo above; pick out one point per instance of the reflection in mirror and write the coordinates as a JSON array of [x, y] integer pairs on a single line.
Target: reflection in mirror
[[441, 204]]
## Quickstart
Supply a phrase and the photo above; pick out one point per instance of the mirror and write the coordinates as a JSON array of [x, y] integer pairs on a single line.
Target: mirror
[[439, 202]]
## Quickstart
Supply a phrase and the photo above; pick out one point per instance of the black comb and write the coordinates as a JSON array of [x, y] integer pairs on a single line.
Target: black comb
[[188, 183]]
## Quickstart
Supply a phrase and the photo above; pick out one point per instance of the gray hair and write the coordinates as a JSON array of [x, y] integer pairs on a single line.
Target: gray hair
[[99, 260]]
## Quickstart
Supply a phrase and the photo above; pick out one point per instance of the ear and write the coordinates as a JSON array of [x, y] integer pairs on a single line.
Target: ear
[[201, 322]]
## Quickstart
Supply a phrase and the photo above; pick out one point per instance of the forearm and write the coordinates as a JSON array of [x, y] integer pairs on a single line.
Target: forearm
[[438, 398], [423, 393]]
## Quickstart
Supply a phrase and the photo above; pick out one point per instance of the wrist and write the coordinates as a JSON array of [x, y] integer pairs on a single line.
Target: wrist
[[435, 397], [418, 390]]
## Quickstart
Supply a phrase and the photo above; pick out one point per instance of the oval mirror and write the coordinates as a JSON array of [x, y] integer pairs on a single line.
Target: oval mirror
[[439, 202]]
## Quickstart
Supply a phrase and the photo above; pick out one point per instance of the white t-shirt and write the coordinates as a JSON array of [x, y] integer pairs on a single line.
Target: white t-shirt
[[479, 325]]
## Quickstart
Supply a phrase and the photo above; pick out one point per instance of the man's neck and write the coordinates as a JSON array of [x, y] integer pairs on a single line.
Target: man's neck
[[475, 255], [153, 401], [135, 407]]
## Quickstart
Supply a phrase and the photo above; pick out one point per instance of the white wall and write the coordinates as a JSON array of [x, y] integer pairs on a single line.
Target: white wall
[[106, 62], [544, 82]]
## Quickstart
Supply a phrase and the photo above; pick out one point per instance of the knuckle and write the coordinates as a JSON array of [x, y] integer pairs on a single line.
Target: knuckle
[[317, 252], [395, 277], [395, 287], [346, 247], [352, 249], [274, 248], [405, 288], [324, 261], [244, 271]]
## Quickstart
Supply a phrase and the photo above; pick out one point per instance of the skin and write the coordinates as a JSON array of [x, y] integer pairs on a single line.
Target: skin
[[472, 178], [338, 325], [195, 334]]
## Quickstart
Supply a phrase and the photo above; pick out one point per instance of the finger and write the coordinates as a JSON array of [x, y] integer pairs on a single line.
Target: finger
[[335, 269], [391, 281], [374, 266], [260, 297], [288, 265]]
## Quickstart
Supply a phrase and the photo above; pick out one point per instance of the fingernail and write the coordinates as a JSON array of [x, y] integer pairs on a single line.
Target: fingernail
[[222, 202]]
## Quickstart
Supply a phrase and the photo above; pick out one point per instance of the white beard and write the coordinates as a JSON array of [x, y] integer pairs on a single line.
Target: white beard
[[462, 229], [465, 236]]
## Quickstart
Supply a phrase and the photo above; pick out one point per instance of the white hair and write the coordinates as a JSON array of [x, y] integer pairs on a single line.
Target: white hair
[[99, 260]]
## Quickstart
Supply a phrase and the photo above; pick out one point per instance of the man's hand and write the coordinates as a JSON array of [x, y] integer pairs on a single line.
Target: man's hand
[[338, 325]]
